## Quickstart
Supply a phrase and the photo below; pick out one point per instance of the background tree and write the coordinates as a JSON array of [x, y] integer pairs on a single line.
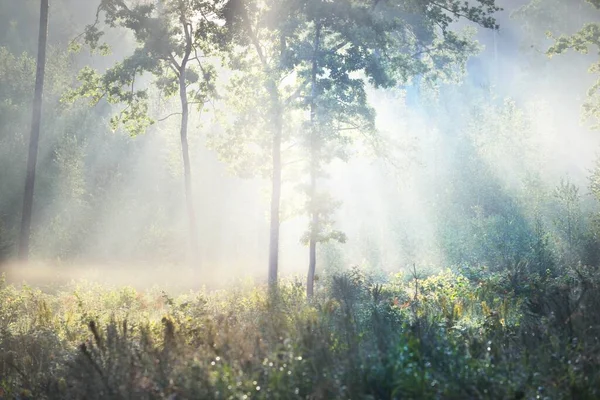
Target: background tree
[[588, 36], [58, 123], [381, 43], [262, 34], [174, 41], [34, 137]]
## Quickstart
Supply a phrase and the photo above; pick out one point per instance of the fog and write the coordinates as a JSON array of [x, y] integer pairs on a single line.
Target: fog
[[111, 208]]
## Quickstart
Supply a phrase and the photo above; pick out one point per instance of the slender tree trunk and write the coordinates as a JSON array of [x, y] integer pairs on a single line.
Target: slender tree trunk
[[276, 111], [275, 195], [35, 134], [314, 169], [187, 169], [312, 246]]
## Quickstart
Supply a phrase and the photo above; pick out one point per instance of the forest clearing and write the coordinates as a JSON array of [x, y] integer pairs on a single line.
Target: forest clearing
[[299, 199]]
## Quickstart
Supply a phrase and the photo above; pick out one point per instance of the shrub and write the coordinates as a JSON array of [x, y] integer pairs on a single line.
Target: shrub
[[448, 335]]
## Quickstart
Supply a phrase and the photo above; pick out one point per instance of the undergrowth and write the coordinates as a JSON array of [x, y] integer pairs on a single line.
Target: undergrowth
[[465, 334]]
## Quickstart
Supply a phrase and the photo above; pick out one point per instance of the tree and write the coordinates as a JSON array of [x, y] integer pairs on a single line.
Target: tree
[[260, 32], [174, 42], [582, 41], [34, 138], [384, 43], [318, 57], [588, 36]]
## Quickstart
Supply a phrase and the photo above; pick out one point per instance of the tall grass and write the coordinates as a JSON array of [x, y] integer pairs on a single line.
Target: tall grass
[[453, 335]]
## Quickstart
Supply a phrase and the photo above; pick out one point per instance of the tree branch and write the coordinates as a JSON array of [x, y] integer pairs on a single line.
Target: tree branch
[[96, 22], [168, 116], [174, 63], [296, 93]]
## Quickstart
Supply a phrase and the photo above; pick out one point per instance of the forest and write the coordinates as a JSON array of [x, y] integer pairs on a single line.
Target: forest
[[299, 199]]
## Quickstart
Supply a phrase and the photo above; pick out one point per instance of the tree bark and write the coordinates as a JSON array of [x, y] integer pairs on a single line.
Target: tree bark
[[35, 134], [314, 168]]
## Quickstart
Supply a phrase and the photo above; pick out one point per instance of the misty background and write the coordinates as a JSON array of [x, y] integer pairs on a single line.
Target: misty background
[[477, 166]]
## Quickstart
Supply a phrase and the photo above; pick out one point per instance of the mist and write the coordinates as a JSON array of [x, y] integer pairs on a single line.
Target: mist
[[111, 202]]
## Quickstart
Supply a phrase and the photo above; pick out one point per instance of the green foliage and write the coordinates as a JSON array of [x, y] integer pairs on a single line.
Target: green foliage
[[448, 336], [347, 45], [323, 231], [84, 170], [61, 141], [499, 207], [581, 42], [384, 44], [168, 38]]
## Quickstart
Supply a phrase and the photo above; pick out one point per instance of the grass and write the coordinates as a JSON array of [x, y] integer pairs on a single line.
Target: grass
[[452, 335]]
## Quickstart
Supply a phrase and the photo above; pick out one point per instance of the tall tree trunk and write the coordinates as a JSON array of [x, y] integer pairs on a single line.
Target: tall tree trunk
[[314, 169], [276, 111], [35, 134], [312, 246], [187, 170], [276, 192]]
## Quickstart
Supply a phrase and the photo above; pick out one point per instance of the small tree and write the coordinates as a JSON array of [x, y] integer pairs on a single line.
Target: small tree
[[174, 40], [384, 43], [263, 36]]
